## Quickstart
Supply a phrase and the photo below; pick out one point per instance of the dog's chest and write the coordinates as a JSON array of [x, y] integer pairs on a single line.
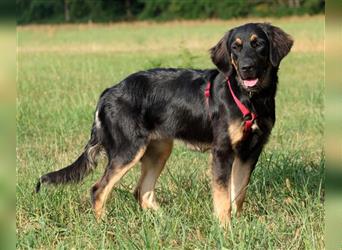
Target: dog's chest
[[237, 132]]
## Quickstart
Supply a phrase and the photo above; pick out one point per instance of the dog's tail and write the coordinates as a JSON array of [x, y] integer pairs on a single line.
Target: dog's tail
[[84, 164]]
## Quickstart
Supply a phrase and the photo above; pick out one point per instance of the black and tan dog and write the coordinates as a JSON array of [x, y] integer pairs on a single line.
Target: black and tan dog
[[230, 110]]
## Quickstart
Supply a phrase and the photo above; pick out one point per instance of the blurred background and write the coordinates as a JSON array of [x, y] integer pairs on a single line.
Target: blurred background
[[7, 123], [58, 11]]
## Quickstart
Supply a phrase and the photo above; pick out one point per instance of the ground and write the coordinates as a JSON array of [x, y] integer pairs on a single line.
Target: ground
[[61, 72]]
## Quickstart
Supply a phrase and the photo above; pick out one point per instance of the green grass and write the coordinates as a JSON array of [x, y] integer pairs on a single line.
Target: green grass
[[61, 72]]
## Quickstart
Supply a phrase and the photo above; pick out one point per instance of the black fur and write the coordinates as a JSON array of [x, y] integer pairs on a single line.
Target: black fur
[[170, 103], [79, 169]]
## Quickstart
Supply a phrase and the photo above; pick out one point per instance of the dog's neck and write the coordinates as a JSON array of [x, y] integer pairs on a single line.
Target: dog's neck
[[258, 100]]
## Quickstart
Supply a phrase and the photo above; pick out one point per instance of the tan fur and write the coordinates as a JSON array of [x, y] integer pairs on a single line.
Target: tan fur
[[202, 147], [234, 64], [253, 37], [240, 175], [235, 131], [222, 208], [238, 41], [155, 136], [153, 162], [107, 182]]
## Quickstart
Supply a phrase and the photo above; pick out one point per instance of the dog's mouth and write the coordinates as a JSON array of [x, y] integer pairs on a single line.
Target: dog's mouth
[[250, 83], [253, 81]]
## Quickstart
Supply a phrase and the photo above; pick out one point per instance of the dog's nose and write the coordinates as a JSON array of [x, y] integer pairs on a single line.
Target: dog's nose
[[247, 67]]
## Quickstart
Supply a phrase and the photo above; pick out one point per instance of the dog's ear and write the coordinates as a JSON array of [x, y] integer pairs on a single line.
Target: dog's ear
[[280, 43], [220, 55]]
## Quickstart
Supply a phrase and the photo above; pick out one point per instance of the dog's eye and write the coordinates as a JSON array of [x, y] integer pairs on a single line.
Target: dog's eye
[[260, 43], [236, 46], [257, 44]]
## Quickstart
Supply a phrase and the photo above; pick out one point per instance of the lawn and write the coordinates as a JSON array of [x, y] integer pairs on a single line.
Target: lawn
[[61, 72]]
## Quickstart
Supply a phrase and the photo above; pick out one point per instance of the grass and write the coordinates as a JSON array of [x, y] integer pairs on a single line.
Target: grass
[[61, 72]]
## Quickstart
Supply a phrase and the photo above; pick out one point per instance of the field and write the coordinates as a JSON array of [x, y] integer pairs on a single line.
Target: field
[[61, 72]]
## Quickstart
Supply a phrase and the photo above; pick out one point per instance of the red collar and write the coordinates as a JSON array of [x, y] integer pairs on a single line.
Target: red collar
[[248, 116]]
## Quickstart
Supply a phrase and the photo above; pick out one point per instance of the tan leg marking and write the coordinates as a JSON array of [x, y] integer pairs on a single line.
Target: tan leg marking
[[241, 172], [111, 176], [222, 208], [153, 162]]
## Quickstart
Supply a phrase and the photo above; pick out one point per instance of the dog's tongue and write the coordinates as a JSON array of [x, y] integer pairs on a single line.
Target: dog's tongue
[[250, 83]]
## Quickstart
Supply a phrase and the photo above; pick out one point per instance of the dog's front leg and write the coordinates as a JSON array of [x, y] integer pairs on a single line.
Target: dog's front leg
[[241, 172], [221, 171], [243, 166]]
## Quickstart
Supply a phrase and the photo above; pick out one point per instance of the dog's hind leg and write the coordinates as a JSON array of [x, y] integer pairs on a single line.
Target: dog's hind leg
[[153, 162], [115, 170]]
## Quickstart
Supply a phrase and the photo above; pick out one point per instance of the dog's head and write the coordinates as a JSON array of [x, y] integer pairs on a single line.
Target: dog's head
[[251, 51]]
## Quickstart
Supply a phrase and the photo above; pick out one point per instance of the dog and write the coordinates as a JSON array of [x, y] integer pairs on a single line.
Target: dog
[[229, 110]]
